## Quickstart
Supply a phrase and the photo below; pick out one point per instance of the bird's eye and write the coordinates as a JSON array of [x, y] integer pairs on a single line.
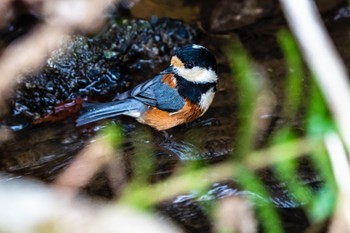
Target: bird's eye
[[189, 65]]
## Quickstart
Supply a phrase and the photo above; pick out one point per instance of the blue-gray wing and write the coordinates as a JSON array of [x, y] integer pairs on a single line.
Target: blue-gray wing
[[156, 93]]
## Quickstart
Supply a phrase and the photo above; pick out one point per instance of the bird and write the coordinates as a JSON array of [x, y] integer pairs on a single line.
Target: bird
[[179, 94]]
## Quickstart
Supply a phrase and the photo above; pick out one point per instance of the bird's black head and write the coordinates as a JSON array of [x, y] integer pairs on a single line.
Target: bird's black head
[[195, 63], [196, 55]]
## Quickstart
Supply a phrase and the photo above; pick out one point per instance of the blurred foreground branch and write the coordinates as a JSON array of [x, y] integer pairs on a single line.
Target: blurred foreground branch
[[341, 219], [63, 17], [234, 214], [86, 165], [31, 207], [324, 61]]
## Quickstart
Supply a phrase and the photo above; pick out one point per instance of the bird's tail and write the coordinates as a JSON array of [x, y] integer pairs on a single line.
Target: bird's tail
[[99, 111]]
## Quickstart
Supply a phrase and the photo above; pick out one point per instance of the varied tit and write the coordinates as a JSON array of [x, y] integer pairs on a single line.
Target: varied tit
[[179, 94]]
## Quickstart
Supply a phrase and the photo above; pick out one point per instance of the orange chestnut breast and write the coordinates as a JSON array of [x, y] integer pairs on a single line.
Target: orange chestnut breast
[[162, 120]]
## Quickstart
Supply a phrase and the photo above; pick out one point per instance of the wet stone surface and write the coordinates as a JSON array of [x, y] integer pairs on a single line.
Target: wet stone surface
[[41, 151]]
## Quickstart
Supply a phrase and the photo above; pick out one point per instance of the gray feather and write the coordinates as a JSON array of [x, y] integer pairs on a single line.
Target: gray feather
[[150, 93], [155, 93], [99, 111]]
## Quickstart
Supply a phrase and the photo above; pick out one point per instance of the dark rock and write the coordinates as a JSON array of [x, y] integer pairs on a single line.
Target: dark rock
[[226, 15], [325, 5]]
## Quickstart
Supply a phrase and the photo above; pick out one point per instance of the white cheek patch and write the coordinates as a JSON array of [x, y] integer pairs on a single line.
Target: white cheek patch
[[206, 100], [198, 75]]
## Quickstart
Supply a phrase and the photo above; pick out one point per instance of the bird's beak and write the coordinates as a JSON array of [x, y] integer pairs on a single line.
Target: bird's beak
[[169, 70]]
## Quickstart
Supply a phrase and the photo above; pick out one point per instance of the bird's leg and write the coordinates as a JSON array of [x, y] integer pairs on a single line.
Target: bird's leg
[[167, 135]]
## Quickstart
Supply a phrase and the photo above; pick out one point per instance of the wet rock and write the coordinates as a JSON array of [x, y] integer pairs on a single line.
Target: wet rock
[[226, 15], [145, 9], [97, 67]]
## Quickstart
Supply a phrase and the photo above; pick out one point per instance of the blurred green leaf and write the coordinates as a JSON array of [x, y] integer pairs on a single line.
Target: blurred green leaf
[[294, 79], [287, 170], [113, 134], [287, 173], [248, 87], [266, 211], [283, 135], [318, 119], [323, 204], [144, 160]]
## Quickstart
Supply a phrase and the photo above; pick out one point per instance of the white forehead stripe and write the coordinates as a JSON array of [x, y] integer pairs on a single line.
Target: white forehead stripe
[[196, 46]]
